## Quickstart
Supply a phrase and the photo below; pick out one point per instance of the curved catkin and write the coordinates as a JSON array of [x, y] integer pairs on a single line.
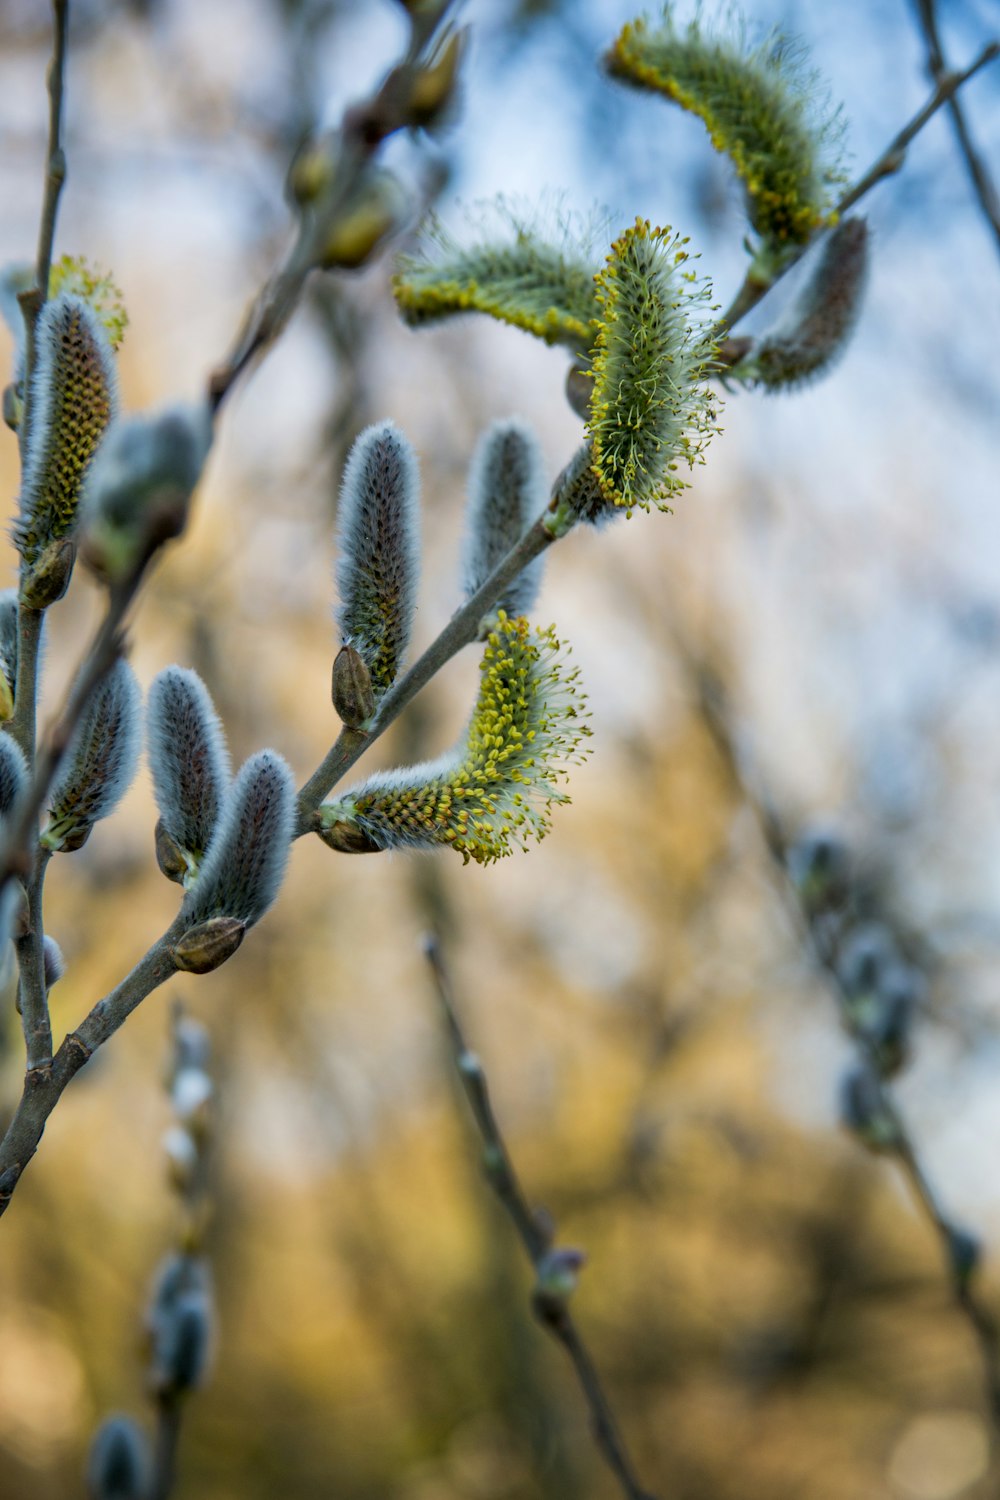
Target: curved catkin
[[650, 410], [540, 284], [758, 106], [13, 774], [245, 863], [74, 397], [507, 492], [378, 550], [188, 759], [8, 652], [494, 791], [100, 761], [823, 318]]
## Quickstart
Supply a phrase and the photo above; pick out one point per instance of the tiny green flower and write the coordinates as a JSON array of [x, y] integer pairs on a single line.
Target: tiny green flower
[[494, 792], [71, 273]]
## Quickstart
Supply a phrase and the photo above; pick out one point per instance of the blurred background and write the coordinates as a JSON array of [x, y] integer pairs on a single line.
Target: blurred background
[[818, 623]]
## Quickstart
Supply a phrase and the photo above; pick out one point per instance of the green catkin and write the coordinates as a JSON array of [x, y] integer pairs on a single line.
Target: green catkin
[[650, 410], [758, 106], [543, 286], [494, 793]]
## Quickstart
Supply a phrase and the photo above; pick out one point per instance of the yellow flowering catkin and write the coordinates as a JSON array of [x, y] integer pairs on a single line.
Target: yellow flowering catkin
[[494, 792], [74, 397], [758, 106]]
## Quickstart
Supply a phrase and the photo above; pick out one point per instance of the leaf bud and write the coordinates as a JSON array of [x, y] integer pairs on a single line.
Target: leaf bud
[[46, 580], [433, 87], [353, 696], [376, 209], [557, 1274], [139, 488], [208, 945], [13, 406], [580, 387], [866, 1111], [169, 854], [314, 168], [118, 1463]]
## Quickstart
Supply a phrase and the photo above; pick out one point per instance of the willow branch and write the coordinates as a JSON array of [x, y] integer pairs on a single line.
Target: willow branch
[[551, 1310], [461, 630], [755, 286]]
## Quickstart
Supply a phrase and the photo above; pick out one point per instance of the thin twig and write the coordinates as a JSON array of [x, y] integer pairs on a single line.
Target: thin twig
[[44, 1086], [33, 300], [551, 1310], [168, 1431], [755, 287], [461, 630], [711, 701], [982, 183]]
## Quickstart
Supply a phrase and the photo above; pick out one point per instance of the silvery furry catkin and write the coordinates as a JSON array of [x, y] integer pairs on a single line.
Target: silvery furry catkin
[[118, 1465], [189, 763], [100, 762], [506, 493], [246, 858], [8, 652], [378, 550]]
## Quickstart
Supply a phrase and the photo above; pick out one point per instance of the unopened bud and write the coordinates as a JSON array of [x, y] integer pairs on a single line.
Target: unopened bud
[[579, 388], [376, 210], [434, 86], [352, 693], [208, 945], [191, 1093], [866, 1111], [55, 964], [169, 855], [182, 1157], [118, 1464], [344, 836], [180, 1325], [557, 1275], [46, 580], [313, 170], [819, 866], [13, 407]]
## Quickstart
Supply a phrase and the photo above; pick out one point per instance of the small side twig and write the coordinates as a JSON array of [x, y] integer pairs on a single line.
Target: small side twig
[[982, 183], [554, 1269]]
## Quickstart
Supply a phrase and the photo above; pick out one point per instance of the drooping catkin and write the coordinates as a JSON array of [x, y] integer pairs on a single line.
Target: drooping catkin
[[100, 761], [189, 763], [378, 550], [244, 864], [74, 397], [650, 411], [506, 494], [759, 105], [811, 340], [540, 282]]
